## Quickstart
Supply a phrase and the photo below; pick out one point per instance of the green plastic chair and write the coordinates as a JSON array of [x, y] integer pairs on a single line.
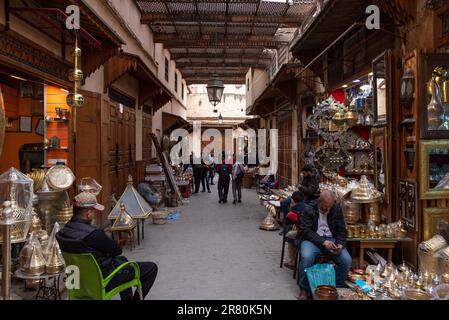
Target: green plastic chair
[[92, 284]]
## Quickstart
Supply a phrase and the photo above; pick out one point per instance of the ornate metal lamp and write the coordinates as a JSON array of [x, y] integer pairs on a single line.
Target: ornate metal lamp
[[215, 89]]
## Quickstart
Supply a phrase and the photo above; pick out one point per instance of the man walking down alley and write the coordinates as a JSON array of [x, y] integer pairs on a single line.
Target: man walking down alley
[[238, 171], [224, 176]]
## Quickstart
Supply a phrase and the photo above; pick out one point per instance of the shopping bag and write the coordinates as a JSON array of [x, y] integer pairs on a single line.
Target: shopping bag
[[319, 275]]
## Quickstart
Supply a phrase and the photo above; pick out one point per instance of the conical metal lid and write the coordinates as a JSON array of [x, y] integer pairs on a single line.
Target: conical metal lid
[[55, 261], [35, 264], [124, 221]]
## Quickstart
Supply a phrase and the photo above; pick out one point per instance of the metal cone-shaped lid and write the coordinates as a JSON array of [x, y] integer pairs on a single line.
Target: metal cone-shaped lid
[[124, 221], [136, 206], [35, 264], [365, 191], [55, 261]]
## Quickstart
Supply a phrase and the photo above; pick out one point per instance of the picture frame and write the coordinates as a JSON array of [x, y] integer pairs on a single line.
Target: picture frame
[[381, 83], [431, 218], [408, 202], [428, 62], [25, 124], [381, 171], [26, 89], [40, 127], [438, 158]]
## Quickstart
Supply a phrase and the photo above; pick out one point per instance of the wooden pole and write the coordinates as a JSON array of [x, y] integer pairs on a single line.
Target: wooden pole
[[6, 254]]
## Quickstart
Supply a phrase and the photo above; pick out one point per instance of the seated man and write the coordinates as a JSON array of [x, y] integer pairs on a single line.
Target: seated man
[[292, 208], [80, 236], [323, 229]]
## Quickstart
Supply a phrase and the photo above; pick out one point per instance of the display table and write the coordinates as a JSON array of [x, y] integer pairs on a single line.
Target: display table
[[381, 243], [48, 284]]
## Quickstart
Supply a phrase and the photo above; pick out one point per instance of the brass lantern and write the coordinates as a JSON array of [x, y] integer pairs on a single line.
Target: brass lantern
[[407, 88]]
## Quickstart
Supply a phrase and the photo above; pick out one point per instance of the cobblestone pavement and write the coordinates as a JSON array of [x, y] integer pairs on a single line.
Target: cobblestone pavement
[[216, 251]]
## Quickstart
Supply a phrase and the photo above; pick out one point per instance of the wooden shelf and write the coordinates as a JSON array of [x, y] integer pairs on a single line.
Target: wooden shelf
[[54, 148], [359, 150], [366, 173]]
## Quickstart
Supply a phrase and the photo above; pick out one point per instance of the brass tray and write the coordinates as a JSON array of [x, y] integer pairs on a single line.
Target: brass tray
[[60, 177]]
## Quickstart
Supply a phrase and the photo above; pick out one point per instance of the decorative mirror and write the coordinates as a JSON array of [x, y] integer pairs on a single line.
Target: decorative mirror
[[381, 174], [434, 101], [434, 174], [408, 202], [381, 88], [432, 217]]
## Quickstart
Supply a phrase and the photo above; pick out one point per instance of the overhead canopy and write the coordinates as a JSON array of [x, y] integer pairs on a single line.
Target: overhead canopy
[[222, 36], [171, 122], [284, 85], [336, 17], [98, 41], [150, 87]]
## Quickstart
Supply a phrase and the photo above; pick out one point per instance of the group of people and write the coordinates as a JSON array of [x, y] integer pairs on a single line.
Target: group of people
[[316, 226], [230, 172]]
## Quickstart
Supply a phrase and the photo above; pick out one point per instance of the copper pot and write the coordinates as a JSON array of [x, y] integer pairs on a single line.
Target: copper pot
[[326, 293], [371, 212], [351, 212]]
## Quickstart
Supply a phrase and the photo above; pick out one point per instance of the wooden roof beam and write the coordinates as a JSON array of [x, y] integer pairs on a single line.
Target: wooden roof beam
[[205, 80], [162, 37], [228, 43], [260, 57], [208, 64], [288, 21]]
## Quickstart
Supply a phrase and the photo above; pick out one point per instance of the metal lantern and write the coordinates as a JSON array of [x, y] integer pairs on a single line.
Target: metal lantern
[[407, 87], [215, 89]]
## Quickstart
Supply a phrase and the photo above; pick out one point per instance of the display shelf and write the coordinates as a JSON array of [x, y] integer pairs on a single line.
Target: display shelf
[[359, 150], [57, 148], [57, 120], [352, 173]]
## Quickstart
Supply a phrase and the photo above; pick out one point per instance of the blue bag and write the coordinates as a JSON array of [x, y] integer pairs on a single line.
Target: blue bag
[[319, 275]]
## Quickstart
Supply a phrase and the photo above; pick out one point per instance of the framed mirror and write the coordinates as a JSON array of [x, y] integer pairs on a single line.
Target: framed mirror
[[381, 174], [434, 169], [381, 88], [408, 202], [434, 100]]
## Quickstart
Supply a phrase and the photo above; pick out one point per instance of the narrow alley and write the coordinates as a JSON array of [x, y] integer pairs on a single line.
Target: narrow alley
[[216, 251]]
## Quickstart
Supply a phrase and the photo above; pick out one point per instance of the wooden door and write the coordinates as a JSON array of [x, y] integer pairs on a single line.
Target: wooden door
[[122, 147], [146, 139], [285, 149], [87, 155]]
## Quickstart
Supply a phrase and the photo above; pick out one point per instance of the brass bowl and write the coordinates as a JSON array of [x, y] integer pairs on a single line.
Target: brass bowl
[[413, 294], [445, 278], [354, 277], [326, 293]]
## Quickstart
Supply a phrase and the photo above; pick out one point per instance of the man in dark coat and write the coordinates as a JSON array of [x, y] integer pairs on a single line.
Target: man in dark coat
[[323, 229], [224, 177], [80, 236], [310, 185]]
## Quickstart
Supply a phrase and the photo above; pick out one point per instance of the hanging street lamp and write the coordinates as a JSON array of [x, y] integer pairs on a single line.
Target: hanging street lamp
[[215, 89]]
